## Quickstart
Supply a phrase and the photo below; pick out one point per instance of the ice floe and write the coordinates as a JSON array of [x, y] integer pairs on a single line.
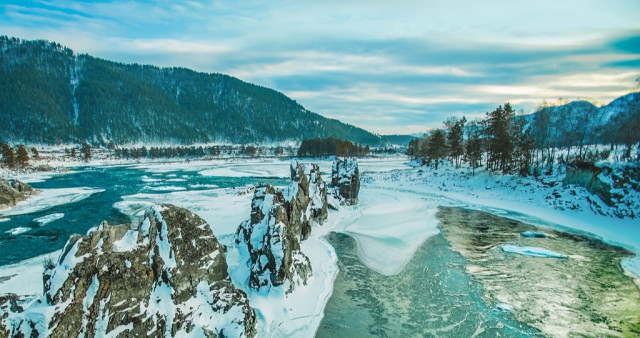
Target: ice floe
[[48, 218], [163, 188], [531, 251], [49, 198], [17, 231], [534, 234]]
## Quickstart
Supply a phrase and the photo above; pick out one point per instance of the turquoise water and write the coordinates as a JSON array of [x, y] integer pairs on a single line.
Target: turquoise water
[[444, 290], [432, 296], [90, 212]]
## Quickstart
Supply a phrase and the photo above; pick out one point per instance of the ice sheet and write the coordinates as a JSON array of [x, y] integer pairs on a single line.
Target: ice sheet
[[223, 209], [49, 198], [532, 251], [522, 199], [25, 278], [389, 226]]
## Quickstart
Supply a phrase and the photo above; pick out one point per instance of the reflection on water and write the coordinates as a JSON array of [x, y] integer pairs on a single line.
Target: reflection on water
[[586, 294], [432, 296]]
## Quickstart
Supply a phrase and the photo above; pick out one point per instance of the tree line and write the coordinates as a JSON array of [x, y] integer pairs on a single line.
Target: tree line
[[17, 157], [509, 143], [331, 147]]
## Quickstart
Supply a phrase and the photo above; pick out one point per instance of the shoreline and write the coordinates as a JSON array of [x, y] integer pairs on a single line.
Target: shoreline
[[503, 199]]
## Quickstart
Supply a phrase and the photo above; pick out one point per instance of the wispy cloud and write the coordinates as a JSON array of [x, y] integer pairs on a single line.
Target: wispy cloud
[[385, 66]]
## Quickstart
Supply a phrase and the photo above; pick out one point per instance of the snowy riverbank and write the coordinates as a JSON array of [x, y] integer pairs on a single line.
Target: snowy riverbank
[[396, 214], [543, 202]]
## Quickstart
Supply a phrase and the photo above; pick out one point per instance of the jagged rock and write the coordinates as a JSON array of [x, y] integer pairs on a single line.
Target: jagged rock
[[166, 276], [280, 220], [12, 192], [345, 180]]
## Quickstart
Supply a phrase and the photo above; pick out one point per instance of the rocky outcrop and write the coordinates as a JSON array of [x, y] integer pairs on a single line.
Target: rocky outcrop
[[586, 176], [12, 192], [617, 186], [345, 180], [165, 277], [280, 220]]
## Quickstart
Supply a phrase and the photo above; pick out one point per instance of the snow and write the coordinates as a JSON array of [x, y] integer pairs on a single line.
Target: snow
[[49, 198], [534, 234], [531, 251], [223, 209], [524, 199], [17, 231], [48, 218], [395, 215], [389, 226], [299, 313], [133, 208], [128, 242], [162, 242], [160, 303], [164, 188], [25, 278], [148, 179], [206, 317], [62, 270], [91, 293]]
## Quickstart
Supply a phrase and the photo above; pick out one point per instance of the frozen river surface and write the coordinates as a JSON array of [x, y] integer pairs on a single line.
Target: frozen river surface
[[401, 263]]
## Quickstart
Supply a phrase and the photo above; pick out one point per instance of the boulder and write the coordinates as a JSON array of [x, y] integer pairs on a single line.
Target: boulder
[[280, 220], [12, 192], [167, 276], [345, 181]]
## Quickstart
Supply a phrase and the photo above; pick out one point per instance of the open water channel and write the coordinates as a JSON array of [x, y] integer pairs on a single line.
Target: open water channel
[[458, 283]]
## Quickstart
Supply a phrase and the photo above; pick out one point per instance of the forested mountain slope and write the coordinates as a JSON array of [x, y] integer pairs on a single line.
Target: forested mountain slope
[[50, 95]]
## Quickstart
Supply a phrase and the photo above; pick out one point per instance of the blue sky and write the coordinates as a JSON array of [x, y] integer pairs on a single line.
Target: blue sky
[[387, 66]]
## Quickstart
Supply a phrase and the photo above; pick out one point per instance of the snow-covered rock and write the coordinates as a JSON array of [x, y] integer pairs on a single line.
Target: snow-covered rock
[[280, 220], [618, 186], [12, 192], [345, 180], [165, 277]]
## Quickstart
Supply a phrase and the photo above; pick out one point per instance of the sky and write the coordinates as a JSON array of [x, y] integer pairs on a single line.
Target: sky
[[391, 67]]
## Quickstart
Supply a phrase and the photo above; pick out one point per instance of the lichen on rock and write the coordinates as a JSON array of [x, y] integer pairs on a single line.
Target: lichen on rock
[[167, 276], [280, 220], [14, 191], [345, 180]]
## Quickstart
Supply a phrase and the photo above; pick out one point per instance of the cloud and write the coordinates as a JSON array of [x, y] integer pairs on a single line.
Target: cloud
[[375, 64]]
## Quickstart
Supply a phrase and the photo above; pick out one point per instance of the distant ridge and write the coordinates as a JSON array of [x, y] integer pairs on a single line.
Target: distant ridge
[[50, 95], [603, 124]]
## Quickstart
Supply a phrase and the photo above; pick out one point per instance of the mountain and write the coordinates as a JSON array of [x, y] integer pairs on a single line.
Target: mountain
[[606, 124], [399, 140], [50, 95]]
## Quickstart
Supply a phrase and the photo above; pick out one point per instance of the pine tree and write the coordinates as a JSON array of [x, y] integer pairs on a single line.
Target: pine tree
[[35, 152], [474, 152], [86, 151], [455, 138], [8, 156], [500, 135], [23, 156], [437, 148]]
